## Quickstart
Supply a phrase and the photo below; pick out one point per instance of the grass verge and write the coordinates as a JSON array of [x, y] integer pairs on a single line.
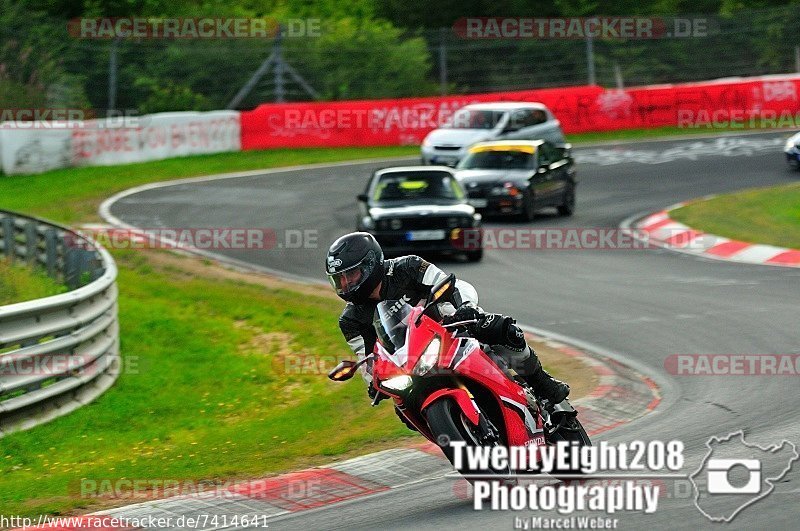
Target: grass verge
[[19, 283], [762, 215], [729, 128], [229, 384], [223, 372], [71, 195]]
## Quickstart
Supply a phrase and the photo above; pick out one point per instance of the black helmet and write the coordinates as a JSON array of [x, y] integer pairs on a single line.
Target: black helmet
[[355, 266]]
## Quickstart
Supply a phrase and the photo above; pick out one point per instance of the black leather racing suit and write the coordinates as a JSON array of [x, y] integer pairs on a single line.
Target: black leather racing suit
[[411, 278]]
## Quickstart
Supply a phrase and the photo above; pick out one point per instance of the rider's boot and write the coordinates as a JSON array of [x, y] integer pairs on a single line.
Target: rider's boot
[[542, 383]]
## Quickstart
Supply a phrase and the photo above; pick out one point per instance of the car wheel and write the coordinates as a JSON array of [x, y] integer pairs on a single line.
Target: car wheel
[[567, 207], [475, 256], [528, 210]]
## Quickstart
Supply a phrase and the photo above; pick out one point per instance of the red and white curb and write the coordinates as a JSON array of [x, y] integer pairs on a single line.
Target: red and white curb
[[660, 229], [621, 395]]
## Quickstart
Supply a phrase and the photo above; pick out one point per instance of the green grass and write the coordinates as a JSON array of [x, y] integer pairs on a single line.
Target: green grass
[[204, 393], [212, 388], [71, 195], [663, 132], [19, 283], [763, 215]]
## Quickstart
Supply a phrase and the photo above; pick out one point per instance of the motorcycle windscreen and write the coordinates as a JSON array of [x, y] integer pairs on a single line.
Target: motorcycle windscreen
[[391, 323]]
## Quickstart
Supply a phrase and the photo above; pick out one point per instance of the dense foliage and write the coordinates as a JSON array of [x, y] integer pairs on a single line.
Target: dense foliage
[[365, 49]]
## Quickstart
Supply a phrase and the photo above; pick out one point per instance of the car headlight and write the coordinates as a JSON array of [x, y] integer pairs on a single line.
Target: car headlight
[[791, 143], [429, 358], [368, 222], [397, 383]]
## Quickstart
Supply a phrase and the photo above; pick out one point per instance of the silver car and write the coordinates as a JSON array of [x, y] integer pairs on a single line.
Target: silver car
[[489, 121]]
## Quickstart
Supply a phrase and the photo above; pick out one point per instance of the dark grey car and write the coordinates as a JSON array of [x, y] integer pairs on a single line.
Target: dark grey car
[[519, 177]]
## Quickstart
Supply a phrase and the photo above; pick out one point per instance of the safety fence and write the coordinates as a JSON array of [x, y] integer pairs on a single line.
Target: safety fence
[[768, 101], [757, 102], [60, 352]]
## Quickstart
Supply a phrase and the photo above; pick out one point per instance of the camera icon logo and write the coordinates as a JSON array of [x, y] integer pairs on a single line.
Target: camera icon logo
[[718, 476], [736, 474]]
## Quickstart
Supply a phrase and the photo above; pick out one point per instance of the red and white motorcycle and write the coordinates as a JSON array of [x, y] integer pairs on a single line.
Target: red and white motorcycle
[[452, 389]]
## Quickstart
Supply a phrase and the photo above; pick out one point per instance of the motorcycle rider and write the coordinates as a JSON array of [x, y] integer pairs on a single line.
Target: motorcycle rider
[[362, 277]]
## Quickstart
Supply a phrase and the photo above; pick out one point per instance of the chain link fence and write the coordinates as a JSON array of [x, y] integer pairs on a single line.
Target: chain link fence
[[348, 60]]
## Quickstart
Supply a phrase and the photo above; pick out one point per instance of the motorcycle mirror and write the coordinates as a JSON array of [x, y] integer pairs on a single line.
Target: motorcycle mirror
[[441, 289], [344, 371]]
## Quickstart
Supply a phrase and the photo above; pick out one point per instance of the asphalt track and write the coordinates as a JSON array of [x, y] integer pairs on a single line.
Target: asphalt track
[[643, 305]]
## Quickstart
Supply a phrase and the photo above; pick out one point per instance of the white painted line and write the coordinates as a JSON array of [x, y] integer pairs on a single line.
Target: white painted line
[[757, 254], [669, 230]]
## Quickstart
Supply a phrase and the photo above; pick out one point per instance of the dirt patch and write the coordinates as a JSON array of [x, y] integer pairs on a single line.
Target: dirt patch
[[277, 344], [579, 375]]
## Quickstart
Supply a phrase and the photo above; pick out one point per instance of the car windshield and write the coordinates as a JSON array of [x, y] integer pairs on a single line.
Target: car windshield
[[497, 160], [472, 119], [431, 186], [391, 323]]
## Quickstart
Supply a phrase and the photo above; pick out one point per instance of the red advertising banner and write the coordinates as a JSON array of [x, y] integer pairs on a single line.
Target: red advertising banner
[[761, 102]]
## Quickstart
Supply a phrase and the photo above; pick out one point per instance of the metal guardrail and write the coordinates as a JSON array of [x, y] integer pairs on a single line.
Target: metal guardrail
[[61, 352]]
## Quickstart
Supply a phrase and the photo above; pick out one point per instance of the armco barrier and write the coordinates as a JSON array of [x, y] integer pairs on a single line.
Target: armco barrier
[[61, 352], [580, 109]]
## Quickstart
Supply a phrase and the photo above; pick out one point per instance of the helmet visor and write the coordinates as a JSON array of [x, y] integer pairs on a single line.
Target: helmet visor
[[350, 279]]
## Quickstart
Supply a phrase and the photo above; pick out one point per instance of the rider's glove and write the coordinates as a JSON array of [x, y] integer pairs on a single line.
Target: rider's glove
[[466, 312], [372, 393], [494, 329]]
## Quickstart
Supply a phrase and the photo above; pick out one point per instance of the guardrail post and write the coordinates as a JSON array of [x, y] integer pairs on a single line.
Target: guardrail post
[[72, 267], [31, 243], [51, 251], [8, 236], [87, 265]]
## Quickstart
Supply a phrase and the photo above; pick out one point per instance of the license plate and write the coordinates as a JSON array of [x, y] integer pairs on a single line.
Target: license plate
[[445, 161], [478, 203], [419, 235]]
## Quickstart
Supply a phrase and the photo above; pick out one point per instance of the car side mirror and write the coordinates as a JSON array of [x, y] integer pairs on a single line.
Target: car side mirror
[[362, 197]]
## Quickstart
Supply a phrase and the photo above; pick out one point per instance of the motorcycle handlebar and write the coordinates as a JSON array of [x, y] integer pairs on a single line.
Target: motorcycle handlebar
[[461, 323]]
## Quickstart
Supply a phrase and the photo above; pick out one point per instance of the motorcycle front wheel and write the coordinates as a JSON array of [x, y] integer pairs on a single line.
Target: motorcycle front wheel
[[448, 423], [571, 431]]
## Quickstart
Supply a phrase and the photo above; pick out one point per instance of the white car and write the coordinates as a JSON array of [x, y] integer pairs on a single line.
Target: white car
[[792, 151], [489, 121]]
